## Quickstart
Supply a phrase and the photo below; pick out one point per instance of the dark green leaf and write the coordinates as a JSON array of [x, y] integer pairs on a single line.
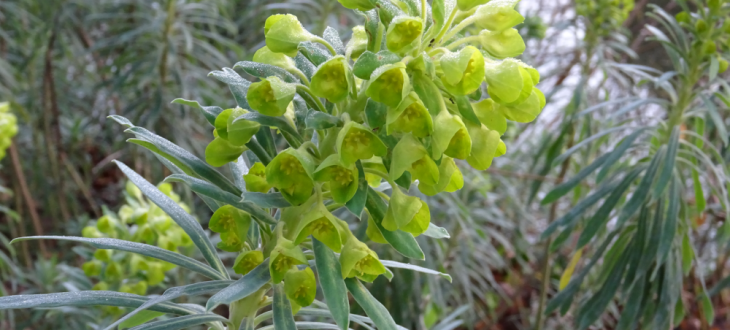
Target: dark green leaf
[[595, 306], [182, 218], [283, 317], [632, 306], [707, 310], [668, 167], [321, 120], [618, 152], [236, 83], [373, 308], [573, 215], [568, 185], [700, 201], [375, 113], [304, 65], [245, 286], [670, 224], [642, 190], [584, 143], [357, 203], [333, 38], [332, 284], [314, 52], [369, 61], [260, 70], [401, 241]]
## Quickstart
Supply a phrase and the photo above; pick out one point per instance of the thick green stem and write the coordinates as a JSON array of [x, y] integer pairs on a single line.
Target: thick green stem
[[246, 307], [446, 26]]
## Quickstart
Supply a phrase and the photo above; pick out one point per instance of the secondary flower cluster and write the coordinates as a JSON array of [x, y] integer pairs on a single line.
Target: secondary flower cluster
[[8, 127], [140, 221], [402, 102]]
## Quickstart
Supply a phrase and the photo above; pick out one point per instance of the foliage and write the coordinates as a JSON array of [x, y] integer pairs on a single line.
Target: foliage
[[8, 127]]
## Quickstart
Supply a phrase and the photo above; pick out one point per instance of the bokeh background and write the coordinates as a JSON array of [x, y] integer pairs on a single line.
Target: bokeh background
[[65, 65]]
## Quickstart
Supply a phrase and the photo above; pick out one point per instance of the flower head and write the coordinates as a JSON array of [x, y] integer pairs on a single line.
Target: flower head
[[321, 224], [301, 286], [284, 33], [483, 152], [291, 172], [355, 141], [450, 137], [284, 256], [270, 96], [357, 260], [488, 115], [333, 79], [463, 71], [410, 155], [256, 178], [389, 84], [247, 261], [402, 210], [411, 116], [450, 179], [265, 56], [404, 34], [220, 152], [342, 179], [498, 15], [240, 130], [502, 44]]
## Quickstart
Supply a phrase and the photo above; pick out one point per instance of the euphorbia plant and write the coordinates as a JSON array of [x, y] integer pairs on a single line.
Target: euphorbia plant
[[322, 137]]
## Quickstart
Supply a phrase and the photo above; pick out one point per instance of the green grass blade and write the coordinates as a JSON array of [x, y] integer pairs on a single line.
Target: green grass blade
[[332, 284]]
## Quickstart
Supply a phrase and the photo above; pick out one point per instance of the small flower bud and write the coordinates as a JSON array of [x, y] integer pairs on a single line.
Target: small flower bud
[[389, 84], [256, 179], [103, 255], [301, 286], [107, 225], [498, 15], [419, 223], [230, 242], [132, 190], [92, 268], [137, 263], [247, 261], [240, 130], [113, 271], [355, 141], [526, 111], [291, 172], [709, 47], [450, 179], [410, 155], [221, 123], [450, 137], [343, 179], [701, 26], [101, 286], [145, 233], [404, 34], [722, 66], [463, 71], [91, 232], [411, 116], [508, 82], [483, 152], [502, 44], [283, 34], [333, 79], [140, 288], [358, 260], [284, 256], [265, 56], [220, 152], [682, 17], [270, 96]]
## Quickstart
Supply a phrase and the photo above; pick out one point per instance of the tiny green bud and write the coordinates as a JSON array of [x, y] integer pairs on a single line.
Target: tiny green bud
[[489, 116], [358, 260], [498, 15], [140, 288], [358, 43], [291, 172], [284, 256], [682, 17], [710, 47], [401, 210], [155, 275], [701, 26], [483, 152], [343, 179], [362, 5], [240, 131], [333, 79], [256, 179], [92, 268], [450, 179], [411, 116], [283, 34], [410, 155], [247, 261], [221, 123], [321, 224], [113, 271], [714, 6], [404, 34], [103, 255], [301, 286], [389, 84], [145, 233], [450, 137], [167, 244], [161, 223], [137, 263], [502, 44], [106, 225], [463, 71], [220, 152], [355, 141], [270, 96]]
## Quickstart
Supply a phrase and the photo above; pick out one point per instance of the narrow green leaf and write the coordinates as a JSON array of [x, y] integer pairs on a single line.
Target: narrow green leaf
[[357, 203], [265, 200], [582, 206], [321, 120], [618, 152], [670, 224], [88, 298], [568, 185], [435, 231], [140, 318], [245, 286], [331, 35], [721, 285], [688, 254], [375, 113], [653, 239], [594, 307], [283, 317], [584, 143], [707, 310], [600, 218], [260, 70], [635, 300], [209, 112], [314, 52], [401, 241], [717, 119], [332, 284], [642, 191], [206, 189], [373, 308], [139, 248], [182, 218], [668, 167], [182, 322], [236, 83], [700, 201], [395, 264]]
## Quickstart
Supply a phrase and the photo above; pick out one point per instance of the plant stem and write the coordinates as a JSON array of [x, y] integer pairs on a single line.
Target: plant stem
[[305, 89], [463, 24], [446, 26], [423, 12], [462, 41], [326, 44]]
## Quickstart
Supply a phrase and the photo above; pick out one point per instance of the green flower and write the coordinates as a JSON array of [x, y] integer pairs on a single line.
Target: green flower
[[450, 179], [389, 84], [483, 152], [333, 79], [220, 152], [410, 155], [321, 224], [463, 71], [362, 5], [489, 116], [508, 82], [450, 137], [284, 256], [404, 34], [502, 44], [419, 223], [283, 34], [358, 43], [233, 225], [103, 255], [356, 141], [107, 225], [291, 172], [301, 286], [498, 15], [91, 232], [375, 163], [265, 56], [145, 233], [165, 243], [92, 268], [342, 179], [256, 179], [411, 116], [230, 242], [221, 123], [270, 96], [239, 131], [154, 273], [247, 261], [101, 286], [526, 111], [404, 209], [113, 271], [466, 5], [358, 260]]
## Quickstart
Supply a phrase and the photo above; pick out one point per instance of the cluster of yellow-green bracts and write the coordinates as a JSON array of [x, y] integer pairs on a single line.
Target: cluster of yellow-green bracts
[[140, 221], [414, 93], [8, 127]]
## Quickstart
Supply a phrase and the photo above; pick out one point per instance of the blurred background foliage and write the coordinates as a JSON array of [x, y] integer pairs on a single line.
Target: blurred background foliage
[[66, 65]]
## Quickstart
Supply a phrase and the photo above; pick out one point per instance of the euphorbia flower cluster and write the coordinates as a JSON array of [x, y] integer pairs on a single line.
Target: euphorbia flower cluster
[[8, 127], [414, 94]]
